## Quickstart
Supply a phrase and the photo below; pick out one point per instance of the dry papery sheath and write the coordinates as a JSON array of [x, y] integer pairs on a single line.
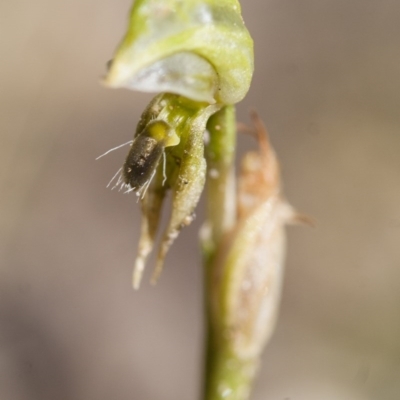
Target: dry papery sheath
[[247, 270]]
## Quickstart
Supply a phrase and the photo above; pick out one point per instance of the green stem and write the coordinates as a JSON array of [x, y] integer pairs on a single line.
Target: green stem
[[220, 155], [227, 377]]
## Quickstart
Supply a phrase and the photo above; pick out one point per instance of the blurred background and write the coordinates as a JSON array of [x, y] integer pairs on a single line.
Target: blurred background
[[71, 328]]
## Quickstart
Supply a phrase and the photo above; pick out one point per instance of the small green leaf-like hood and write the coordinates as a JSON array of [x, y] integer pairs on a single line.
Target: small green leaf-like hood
[[195, 48]]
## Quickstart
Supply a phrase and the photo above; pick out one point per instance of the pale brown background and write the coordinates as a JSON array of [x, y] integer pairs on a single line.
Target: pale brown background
[[326, 83]]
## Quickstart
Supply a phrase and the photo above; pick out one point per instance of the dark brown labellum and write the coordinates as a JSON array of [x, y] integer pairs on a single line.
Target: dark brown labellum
[[142, 161]]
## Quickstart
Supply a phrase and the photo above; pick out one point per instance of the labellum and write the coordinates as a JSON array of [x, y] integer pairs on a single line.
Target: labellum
[[146, 151]]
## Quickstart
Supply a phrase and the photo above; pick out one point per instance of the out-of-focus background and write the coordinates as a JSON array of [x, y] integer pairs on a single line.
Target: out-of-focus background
[[71, 328]]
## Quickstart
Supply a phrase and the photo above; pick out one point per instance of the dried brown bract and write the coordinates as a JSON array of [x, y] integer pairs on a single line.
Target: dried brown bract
[[249, 265]]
